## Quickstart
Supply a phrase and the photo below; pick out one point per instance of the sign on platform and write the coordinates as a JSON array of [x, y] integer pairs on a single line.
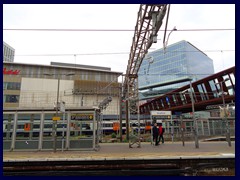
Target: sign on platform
[[81, 117], [161, 114], [55, 118], [164, 113]]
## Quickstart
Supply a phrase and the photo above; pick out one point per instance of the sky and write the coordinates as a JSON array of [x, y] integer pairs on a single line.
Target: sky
[[112, 48]]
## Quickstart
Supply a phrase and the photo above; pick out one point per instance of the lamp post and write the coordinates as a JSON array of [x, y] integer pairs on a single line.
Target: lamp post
[[195, 125], [62, 109], [165, 43], [194, 119], [150, 61], [225, 114], [57, 106]]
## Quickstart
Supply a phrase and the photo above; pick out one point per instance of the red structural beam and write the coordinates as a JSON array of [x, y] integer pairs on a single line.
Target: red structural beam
[[180, 99]]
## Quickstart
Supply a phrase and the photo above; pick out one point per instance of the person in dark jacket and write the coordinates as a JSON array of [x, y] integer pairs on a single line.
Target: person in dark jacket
[[161, 131], [155, 134]]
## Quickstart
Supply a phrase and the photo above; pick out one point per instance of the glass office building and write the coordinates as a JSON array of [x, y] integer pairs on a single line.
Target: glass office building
[[165, 70]]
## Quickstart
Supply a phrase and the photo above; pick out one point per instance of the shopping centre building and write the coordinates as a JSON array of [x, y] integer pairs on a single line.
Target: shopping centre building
[[36, 86]]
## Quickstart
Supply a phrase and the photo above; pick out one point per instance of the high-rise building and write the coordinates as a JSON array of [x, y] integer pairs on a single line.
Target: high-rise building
[[8, 53], [167, 69]]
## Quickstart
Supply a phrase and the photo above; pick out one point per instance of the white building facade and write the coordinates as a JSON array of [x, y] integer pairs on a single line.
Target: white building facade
[[36, 86], [8, 53]]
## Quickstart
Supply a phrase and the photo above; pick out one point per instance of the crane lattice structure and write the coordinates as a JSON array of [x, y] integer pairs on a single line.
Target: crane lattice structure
[[149, 20]]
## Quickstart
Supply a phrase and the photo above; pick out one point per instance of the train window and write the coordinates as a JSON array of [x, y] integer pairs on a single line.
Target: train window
[[47, 126], [35, 134], [107, 125], [22, 135], [59, 125], [81, 134], [9, 126], [4, 136], [36, 126], [8, 122], [47, 134], [7, 135], [47, 130], [20, 126], [87, 133]]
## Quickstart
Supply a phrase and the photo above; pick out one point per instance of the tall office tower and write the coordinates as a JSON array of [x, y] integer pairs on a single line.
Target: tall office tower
[[167, 69]]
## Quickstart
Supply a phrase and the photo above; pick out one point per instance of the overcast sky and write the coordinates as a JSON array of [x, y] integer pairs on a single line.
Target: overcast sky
[[218, 45]]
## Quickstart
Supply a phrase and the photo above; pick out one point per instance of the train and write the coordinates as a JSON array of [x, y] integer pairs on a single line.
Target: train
[[105, 127], [109, 127]]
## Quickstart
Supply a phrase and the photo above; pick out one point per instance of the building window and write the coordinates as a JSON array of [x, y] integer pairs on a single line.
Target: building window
[[11, 98], [11, 86]]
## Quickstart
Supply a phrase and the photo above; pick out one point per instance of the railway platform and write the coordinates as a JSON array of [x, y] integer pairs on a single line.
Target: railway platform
[[117, 159], [121, 151]]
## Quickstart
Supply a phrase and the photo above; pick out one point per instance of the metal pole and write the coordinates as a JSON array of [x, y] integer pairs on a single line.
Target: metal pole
[[172, 129], [127, 121], [14, 131], [55, 122], [166, 27], [165, 45], [128, 114], [225, 117], [183, 142], [100, 128], [63, 131], [151, 130], [120, 112], [195, 130], [68, 130], [138, 116]]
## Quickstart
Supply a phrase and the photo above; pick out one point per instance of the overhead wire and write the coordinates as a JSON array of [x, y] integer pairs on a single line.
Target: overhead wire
[[114, 53], [47, 29], [162, 74], [117, 53]]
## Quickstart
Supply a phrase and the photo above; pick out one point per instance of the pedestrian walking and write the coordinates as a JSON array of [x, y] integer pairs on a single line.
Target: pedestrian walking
[[155, 134], [161, 132]]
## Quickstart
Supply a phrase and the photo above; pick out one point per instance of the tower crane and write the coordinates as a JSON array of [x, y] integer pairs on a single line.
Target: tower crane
[[149, 20]]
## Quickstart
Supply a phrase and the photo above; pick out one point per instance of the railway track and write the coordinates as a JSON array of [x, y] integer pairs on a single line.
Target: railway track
[[157, 167]]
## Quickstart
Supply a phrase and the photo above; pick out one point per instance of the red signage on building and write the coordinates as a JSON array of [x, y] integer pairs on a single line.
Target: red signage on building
[[12, 72]]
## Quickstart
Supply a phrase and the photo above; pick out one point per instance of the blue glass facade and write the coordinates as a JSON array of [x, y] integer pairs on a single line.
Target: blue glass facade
[[162, 71]]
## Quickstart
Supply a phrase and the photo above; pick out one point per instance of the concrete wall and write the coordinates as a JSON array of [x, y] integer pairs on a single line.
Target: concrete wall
[[40, 93]]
